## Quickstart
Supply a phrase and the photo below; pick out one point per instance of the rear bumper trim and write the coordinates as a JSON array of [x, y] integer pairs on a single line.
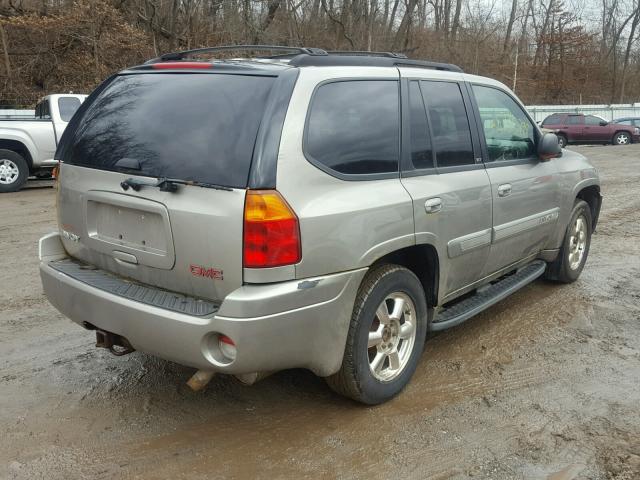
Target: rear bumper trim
[[131, 290]]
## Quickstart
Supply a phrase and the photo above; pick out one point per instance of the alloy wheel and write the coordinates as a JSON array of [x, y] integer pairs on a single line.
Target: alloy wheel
[[577, 242], [9, 172], [392, 336]]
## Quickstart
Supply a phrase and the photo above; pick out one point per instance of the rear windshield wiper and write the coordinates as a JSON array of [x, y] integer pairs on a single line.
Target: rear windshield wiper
[[169, 184]]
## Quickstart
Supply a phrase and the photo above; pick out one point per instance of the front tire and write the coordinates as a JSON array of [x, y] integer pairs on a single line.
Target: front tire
[[567, 267], [386, 336], [562, 140], [14, 171], [621, 138]]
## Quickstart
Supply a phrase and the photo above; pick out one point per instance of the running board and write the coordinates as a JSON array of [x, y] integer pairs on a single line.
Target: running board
[[486, 297]]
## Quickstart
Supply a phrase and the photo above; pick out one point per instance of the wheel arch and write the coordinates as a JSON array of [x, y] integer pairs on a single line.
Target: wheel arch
[[19, 148], [423, 261], [591, 195], [622, 131]]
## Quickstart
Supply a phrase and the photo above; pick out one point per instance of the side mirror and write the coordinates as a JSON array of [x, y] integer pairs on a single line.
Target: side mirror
[[603, 123], [548, 147]]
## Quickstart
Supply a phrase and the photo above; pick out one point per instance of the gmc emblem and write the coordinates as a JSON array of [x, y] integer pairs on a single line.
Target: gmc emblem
[[212, 273]]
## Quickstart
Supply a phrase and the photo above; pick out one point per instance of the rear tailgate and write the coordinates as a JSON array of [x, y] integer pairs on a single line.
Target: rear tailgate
[[192, 127]]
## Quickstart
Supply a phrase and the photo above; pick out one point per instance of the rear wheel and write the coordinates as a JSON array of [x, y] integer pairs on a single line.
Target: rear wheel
[[562, 140], [14, 171], [575, 247], [621, 138], [386, 336]]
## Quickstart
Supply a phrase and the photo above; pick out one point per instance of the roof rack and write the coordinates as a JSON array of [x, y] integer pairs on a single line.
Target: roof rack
[[278, 48], [306, 56], [375, 60], [364, 53]]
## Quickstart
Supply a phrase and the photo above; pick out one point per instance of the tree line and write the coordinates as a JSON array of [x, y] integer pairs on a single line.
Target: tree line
[[548, 51]]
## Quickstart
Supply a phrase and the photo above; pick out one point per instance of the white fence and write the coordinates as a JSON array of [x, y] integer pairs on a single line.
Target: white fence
[[608, 112]]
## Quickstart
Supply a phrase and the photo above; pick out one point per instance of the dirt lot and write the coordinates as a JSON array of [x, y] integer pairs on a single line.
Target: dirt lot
[[545, 385]]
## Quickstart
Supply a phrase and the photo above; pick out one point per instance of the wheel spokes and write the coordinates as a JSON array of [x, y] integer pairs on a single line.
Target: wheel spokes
[[375, 338], [398, 309], [406, 330], [383, 314], [378, 361]]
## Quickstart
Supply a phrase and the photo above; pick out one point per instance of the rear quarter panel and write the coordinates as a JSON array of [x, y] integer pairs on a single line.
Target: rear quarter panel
[[343, 224]]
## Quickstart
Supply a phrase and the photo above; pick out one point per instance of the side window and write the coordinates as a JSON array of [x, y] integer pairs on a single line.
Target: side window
[[67, 107], [421, 152], [575, 120], [592, 120], [509, 133], [45, 109], [451, 134], [552, 120], [354, 127]]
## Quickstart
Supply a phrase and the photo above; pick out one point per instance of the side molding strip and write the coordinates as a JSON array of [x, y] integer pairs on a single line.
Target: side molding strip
[[466, 243], [522, 225]]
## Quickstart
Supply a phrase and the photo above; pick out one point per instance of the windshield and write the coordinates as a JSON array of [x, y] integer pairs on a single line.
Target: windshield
[[199, 127]]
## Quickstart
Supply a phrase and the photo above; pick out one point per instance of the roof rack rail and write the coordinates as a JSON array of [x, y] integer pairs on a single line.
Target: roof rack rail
[[368, 59], [188, 53], [364, 53]]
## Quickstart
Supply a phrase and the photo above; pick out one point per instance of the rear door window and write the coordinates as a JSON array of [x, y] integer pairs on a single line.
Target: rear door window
[[421, 151], [451, 134], [353, 127], [575, 120], [195, 126]]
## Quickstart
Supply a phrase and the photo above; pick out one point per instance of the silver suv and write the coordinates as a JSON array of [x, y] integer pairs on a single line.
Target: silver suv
[[306, 210]]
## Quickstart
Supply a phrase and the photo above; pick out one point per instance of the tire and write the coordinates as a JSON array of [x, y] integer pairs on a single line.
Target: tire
[[622, 138], [562, 140], [14, 171], [382, 289], [566, 268]]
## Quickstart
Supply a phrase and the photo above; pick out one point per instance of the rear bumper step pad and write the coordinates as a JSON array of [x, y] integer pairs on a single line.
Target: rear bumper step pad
[[131, 290], [488, 296]]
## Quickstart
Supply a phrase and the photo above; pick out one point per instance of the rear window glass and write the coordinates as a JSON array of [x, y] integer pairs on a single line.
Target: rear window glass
[[67, 107], [354, 127], [200, 127]]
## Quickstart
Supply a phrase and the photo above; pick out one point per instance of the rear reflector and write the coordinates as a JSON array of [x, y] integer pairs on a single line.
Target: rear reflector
[[271, 231], [227, 347], [179, 65]]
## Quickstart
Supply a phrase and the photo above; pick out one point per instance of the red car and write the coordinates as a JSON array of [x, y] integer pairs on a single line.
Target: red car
[[580, 128]]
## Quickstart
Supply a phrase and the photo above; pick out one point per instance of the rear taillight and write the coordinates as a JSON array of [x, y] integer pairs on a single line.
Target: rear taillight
[[271, 231]]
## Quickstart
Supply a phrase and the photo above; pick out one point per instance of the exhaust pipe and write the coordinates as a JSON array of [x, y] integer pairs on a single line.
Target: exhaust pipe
[[251, 378], [200, 379]]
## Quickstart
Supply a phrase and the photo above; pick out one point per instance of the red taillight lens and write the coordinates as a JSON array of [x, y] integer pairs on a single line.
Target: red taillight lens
[[271, 231]]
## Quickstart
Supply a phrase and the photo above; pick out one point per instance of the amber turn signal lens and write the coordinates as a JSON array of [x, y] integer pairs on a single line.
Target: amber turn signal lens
[[271, 231]]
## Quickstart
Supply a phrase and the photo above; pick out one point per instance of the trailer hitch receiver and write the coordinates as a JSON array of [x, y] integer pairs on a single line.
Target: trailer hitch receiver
[[116, 344]]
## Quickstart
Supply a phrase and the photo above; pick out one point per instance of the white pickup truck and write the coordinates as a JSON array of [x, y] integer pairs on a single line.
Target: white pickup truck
[[28, 144]]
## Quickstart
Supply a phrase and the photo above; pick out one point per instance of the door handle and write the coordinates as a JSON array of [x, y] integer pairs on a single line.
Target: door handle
[[433, 205], [504, 190]]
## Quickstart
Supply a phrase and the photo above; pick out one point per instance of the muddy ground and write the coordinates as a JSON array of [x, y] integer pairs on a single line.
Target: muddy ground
[[545, 385]]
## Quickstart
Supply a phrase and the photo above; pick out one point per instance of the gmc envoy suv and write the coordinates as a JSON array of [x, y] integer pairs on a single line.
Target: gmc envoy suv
[[305, 209]]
